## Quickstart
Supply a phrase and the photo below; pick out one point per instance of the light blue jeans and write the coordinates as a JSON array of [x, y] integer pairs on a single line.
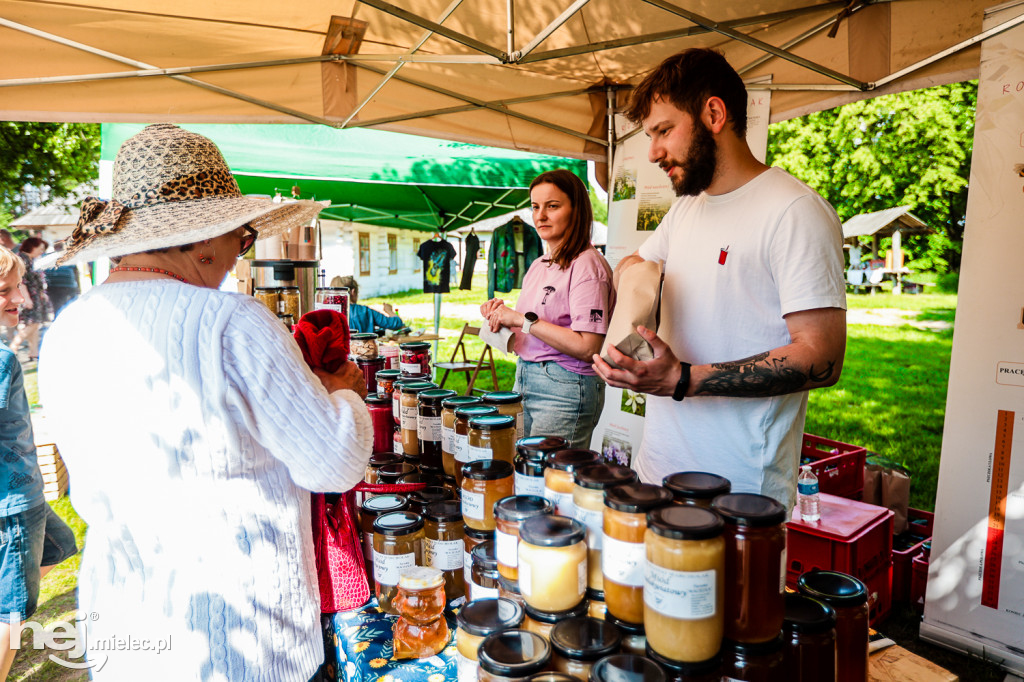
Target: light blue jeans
[[557, 402]]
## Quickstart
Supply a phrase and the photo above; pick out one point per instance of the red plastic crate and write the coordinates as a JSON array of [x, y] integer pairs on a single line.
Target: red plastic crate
[[919, 580], [851, 537], [920, 526], [838, 466]]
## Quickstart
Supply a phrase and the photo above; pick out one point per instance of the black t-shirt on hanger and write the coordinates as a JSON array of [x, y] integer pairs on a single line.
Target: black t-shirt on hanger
[[437, 255]]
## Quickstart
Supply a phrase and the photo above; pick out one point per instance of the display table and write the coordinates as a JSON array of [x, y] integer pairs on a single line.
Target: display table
[[359, 647]]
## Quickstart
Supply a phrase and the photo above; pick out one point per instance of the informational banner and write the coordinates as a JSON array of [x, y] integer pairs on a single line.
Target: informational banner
[[641, 195], [975, 597]]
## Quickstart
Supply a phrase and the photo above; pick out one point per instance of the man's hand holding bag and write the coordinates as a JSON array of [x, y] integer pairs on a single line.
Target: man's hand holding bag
[[638, 299]]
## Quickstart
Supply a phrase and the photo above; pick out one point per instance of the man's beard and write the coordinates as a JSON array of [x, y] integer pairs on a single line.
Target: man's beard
[[697, 170]]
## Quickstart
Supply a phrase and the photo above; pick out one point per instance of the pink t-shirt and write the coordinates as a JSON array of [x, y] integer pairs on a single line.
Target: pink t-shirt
[[579, 297]]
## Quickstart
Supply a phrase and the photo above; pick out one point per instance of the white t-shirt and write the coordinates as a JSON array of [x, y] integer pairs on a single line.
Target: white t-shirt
[[735, 264]]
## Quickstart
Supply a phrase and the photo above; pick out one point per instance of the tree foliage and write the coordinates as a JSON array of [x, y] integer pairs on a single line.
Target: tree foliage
[[909, 149], [40, 162]]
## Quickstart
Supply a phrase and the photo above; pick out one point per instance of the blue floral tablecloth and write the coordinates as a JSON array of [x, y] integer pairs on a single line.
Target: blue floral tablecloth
[[359, 648]]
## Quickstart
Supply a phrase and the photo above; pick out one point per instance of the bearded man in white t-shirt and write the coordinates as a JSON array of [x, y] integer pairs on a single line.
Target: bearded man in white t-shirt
[[753, 305]]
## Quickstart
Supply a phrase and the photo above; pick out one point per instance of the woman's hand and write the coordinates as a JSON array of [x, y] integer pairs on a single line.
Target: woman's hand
[[503, 316], [348, 376], [488, 307]]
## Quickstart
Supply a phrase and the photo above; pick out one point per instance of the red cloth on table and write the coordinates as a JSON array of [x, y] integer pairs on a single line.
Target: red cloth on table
[[322, 336]]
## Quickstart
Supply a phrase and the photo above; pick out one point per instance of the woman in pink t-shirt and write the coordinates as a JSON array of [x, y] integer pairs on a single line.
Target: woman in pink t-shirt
[[561, 316]]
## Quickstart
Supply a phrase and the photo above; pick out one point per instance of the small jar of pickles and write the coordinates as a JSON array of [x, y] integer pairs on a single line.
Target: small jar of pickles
[[591, 482], [448, 407], [428, 425], [509, 513], [492, 437], [558, 483], [397, 544], [443, 542], [510, 403], [462, 417], [477, 620], [552, 562], [529, 462], [697, 488], [484, 482]]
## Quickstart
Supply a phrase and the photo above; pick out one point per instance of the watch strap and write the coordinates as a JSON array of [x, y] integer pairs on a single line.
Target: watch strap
[[684, 382]]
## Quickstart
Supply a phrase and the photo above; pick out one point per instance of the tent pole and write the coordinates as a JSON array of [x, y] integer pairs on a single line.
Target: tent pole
[[797, 40], [437, 28], [549, 29], [610, 94], [510, 15]]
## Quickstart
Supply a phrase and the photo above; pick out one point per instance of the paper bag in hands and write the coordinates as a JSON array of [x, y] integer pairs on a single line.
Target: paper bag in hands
[[636, 303], [503, 339]]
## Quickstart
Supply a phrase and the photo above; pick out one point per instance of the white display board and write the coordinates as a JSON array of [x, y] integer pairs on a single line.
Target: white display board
[[975, 598]]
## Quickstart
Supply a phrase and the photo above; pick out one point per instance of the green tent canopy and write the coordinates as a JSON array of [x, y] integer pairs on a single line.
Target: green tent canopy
[[371, 176]]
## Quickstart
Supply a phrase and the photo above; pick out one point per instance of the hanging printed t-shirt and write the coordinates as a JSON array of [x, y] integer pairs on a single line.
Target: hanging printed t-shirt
[[437, 258]]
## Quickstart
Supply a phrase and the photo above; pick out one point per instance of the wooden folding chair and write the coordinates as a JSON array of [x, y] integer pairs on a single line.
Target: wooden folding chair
[[485, 362]]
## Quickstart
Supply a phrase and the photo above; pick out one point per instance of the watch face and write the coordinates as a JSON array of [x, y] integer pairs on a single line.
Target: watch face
[[531, 317]]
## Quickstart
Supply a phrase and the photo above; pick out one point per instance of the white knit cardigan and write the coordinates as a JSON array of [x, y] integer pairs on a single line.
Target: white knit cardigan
[[193, 431]]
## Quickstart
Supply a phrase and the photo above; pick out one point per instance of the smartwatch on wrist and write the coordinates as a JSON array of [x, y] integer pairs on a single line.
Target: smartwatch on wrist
[[530, 319], [684, 382]]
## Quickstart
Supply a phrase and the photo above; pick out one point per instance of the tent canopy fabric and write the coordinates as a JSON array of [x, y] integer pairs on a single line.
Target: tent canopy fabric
[[371, 176], [505, 73], [883, 223]]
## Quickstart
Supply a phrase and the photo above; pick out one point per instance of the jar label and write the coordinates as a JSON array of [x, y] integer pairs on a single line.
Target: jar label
[[689, 595], [472, 504], [594, 521], [475, 452], [410, 367], [467, 566], [623, 562], [467, 668], [529, 485], [447, 440], [399, 448], [445, 555], [507, 548], [562, 501], [461, 447], [388, 567], [581, 577], [429, 428], [409, 415], [480, 592], [396, 406], [525, 578], [520, 426]]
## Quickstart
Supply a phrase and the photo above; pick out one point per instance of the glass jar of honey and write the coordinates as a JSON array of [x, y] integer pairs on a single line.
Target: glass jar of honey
[[512, 655], [578, 643], [397, 545], [484, 482], [622, 562], [634, 639], [484, 582], [755, 565], [683, 582], [421, 630], [386, 382], [696, 487], [414, 357], [681, 671], [509, 403], [376, 461], [476, 620], [443, 542], [558, 483], [509, 513], [509, 589], [419, 499], [809, 640], [473, 537], [448, 407], [529, 462], [389, 474], [492, 437], [396, 393], [428, 425], [596, 608], [552, 562], [551, 676], [410, 415], [370, 509], [626, 668], [462, 417], [543, 622], [760, 662], [848, 597], [590, 484]]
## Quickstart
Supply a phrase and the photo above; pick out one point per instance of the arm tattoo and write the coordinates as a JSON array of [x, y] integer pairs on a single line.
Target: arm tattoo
[[759, 376]]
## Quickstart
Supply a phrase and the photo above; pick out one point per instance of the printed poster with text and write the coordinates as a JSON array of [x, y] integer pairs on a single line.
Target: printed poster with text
[[975, 597]]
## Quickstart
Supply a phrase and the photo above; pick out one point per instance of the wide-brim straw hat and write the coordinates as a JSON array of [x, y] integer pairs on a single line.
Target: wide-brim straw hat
[[172, 187]]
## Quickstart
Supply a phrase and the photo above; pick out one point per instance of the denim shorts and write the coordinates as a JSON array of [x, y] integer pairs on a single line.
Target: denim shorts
[[557, 402], [28, 540]]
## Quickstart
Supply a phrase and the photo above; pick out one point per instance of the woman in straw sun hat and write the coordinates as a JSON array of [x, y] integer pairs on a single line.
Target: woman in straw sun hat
[[193, 429]]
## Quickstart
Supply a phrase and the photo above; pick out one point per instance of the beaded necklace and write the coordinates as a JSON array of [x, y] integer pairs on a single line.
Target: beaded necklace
[[140, 268]]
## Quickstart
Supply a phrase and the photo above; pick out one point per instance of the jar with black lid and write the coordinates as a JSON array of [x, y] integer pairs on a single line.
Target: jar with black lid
[[596, 608], [590, 484], [542, 622], [509, 403], [529, 463], [419, 499], [389, 474], [397, 544], [626, 668], [509, 589], [448, 407], [760, 662], [476, 620], [634, 639], [376, 461], [509, 513], [443, 542], [473, 537], [484, 482], [428, 425], [512, 655], [577, 643], [484, 574], [370, 509], [755, 557], [698, 488], [848, 597], [709, 670], [809, 638], [551, 676], [462, 417], [558, 469]]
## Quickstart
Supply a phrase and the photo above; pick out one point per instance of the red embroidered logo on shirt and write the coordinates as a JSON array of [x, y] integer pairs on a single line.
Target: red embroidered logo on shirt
[[722, 255]]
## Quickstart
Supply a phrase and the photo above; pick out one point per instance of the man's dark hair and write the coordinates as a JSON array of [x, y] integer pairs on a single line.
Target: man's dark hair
[[687, 80]]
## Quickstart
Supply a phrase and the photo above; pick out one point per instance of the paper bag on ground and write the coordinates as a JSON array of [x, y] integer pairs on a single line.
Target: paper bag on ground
[[503, 339], [636, 303]]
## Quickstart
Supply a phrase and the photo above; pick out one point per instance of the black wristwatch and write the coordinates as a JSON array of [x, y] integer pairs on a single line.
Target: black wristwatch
[[684, 382]]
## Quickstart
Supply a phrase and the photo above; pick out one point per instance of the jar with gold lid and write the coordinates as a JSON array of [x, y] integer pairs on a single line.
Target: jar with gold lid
[[421, 630], [590, 484], [578, 643], [529, 462], [369, 510], [542, 622], [684, 671], [558, 483], [462, 417], [755, 558], [428, 425], [634, 638], [626, 668], [410, 415], [509, 513], [753, 662], [809, 640], [512, 655], [476, 620], [448, 407], [397, 545], [484, 482], [683, 582], [509, 403], [552, 562], [848, 597], [624, 555], [473, 537], [492, 437], [698, 488], [484, 582], [443, 542]]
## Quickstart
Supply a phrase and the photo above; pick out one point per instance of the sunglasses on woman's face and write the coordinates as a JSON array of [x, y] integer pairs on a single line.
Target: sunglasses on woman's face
[[248, 239]]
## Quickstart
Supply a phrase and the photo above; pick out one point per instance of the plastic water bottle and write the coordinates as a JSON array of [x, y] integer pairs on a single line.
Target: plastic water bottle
[[807, 495]]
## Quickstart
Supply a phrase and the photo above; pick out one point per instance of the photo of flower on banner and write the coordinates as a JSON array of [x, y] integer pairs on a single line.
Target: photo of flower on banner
[[624, 186], [634, 403]]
